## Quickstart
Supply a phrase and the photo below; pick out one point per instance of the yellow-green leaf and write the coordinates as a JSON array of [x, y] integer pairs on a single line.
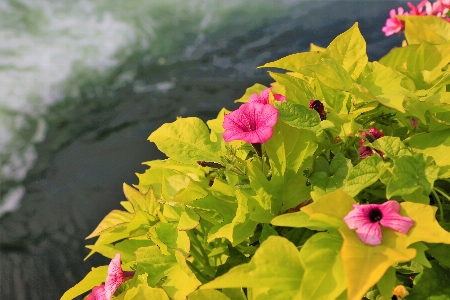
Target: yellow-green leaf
[[186, 140], [426, 228], [95, 277], [323, 278], [143, 291], [372, 261], [207, 295], [426, 28], [113, 220], [330, 208], [349, 50], [275, 266], [294, 62], [256, 88]]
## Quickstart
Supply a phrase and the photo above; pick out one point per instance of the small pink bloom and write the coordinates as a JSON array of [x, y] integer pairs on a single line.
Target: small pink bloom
[[263, 97], [366, 219], [418, 10], [116, 276], [252, 123], [394, 25], [445, 3], [371, 136], [438, 8], [414, 122], [98, 293]]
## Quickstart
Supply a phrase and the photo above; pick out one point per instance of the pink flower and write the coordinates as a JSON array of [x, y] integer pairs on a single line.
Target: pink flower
[[318, 106], [418, 10], [252, 123], [116, 276], [366, 219], [438, 8], [371, 136], [394, 25], [445, 3], [98, 293], [263, 97], [414, 122]]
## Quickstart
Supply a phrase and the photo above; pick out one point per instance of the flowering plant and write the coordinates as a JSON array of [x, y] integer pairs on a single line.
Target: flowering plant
[[323, 186]]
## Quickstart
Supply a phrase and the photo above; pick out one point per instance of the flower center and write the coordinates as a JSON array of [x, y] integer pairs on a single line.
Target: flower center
[[375, 215]]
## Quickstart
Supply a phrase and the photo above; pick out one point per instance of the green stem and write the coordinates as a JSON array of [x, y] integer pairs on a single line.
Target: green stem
[[442, 193], [441, 211], [203, 257], [202, 277]]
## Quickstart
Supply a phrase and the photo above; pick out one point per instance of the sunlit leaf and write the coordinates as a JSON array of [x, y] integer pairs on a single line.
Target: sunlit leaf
[[276, 266], [254, 89], [435, 144], [332, 74], [426, 28], [330, 208], [298, 219], [188, 220], [207, 295], [143, 291], [294, 62], [349, 50], [323, 277], [139, 201], [95, 277], [398, 56], [387, 283], [411, 174], [426, 228], [420, 256], [363, 175], [385, 84], [297, 90], [192, 192], [324, 183], [372, 261], [186, 140], [172, 237], [297, 115], [113, 220], [240, 228], [180, 281]]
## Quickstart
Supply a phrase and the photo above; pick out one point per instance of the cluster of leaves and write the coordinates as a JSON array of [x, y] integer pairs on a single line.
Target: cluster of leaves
[[240, 226]]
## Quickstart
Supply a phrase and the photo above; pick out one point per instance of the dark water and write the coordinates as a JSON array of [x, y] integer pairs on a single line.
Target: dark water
[[97, 140]]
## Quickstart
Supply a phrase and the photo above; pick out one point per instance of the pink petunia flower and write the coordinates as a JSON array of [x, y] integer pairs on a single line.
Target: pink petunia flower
[[371, 136], [418, 10], [98, 293], [414, 122], [393, 24], [318, 106], [439, 8], [263, 97], [366, 219], [252, 123], [116, 276], [445, 3]]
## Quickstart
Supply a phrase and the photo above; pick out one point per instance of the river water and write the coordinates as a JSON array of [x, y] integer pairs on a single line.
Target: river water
[[83, 84]]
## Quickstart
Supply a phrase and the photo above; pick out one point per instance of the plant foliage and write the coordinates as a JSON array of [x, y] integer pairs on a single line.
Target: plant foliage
[[216, 220]]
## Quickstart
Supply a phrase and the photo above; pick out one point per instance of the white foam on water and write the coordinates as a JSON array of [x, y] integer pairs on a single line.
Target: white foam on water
[[45, 43], [11, 201]]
